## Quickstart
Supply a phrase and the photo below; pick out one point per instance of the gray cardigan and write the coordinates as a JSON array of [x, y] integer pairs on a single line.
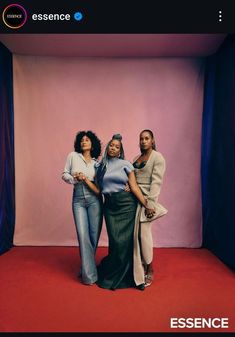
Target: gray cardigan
[[150, 177]]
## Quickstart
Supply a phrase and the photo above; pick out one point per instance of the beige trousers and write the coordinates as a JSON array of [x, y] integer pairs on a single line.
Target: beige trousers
[[146, 242], [143, 247]]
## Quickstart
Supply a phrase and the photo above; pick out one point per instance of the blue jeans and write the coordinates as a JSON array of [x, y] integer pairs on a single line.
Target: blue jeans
[[87, 212]]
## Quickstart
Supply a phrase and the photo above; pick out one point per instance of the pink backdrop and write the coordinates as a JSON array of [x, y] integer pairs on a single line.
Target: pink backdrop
[[56, 97]]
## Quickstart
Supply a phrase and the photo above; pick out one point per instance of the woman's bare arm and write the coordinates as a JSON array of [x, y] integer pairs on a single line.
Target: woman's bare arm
[[80, 176], [135, 188]]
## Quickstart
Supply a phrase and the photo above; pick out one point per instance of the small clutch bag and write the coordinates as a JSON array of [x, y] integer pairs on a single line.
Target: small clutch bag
[[159, 212]]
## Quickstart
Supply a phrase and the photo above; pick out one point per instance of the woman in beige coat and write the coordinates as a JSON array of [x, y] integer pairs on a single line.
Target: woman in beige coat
[[149, 171]]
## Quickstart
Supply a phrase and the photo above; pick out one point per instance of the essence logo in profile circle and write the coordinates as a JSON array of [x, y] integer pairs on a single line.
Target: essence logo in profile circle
[[14, 16]]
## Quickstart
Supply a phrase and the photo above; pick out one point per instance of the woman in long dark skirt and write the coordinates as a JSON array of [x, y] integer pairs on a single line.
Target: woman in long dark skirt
[[116, 269]]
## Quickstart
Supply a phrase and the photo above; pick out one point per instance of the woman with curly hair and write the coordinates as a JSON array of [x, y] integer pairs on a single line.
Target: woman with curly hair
[[80, 171]]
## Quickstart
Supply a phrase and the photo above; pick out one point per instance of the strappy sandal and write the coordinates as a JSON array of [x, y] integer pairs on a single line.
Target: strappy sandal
[[148, 279]]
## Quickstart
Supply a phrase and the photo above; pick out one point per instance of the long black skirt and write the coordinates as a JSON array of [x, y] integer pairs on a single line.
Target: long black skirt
[[116, 269]]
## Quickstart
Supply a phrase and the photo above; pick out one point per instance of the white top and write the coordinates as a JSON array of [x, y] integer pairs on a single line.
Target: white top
[[76, 163]]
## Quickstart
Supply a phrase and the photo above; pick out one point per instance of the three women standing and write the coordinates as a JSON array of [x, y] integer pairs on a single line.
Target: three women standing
[[123, 213]]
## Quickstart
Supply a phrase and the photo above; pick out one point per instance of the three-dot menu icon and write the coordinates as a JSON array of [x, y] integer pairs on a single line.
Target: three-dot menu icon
[[220, 15]]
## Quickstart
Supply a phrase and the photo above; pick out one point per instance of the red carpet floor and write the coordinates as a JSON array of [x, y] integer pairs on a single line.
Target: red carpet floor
[[40, 292]]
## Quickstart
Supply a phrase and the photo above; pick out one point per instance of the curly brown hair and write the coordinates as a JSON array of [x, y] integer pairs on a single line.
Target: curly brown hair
[[96, 143]]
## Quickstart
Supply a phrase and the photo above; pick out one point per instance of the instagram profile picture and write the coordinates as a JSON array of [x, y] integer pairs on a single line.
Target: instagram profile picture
[[14, 16]]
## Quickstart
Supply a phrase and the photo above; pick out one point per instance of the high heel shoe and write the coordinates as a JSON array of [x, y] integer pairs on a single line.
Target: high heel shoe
[[148, 279]]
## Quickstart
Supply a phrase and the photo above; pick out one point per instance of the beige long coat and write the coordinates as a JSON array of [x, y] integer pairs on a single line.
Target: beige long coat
[[149, 179]]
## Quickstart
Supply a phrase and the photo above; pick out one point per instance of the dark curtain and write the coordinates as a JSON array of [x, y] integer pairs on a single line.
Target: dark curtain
[[7, 174], [218, 154]]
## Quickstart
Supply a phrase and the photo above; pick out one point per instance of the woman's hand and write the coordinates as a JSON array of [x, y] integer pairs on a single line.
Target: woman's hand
[[149, 212], [79, 176], [127, 188]]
